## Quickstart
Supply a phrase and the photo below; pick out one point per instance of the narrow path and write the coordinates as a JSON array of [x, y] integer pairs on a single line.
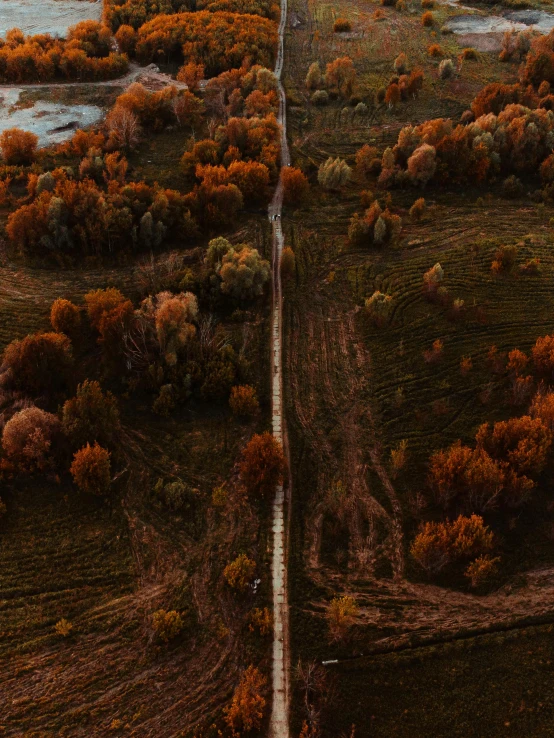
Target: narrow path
[[279, 725]]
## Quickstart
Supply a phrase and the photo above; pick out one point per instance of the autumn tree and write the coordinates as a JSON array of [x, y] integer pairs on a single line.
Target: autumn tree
[[418, 209], [240, 572], [243, 272], [65, 317], [167, 624], [334, 174], [246, 711], [91, 415], [422, 164], [524, 443], [126, 39], [295, 186], [340, 74], [191, 74], [39, 364], [18, 147], [341, 614], [91, 470], [244, 401], [439, 545], [314, 78], [262, 465], [123, 129], [542, 407], [378, 307], [543, 355], [28, 438]]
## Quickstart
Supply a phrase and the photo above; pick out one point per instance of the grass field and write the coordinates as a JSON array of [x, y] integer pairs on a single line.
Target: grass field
[[357, 391]]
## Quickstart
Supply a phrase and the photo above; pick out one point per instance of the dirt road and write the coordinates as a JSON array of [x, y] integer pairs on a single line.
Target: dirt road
[[279, 726]]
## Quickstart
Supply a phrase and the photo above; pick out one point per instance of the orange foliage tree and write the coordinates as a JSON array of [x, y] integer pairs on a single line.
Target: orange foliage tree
[[65, 317], [246, 710], [91, 470], [28, 437], [39, 364], [439, 545], [18, 147], [262, 464], [340, 74], [295, 186], [221, 40], [243, 400]]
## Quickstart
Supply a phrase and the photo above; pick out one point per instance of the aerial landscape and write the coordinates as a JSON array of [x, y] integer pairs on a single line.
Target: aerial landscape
[[277, 371]]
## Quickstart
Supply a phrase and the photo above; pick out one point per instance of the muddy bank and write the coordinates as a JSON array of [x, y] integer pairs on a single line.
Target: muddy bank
[[51, 122], [46, 16], [514, 20]]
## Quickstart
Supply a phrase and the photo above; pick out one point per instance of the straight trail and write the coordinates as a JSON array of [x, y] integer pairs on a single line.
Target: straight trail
[[279, 724]]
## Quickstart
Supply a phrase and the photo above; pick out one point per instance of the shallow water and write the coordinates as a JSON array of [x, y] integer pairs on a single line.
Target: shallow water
[[46, 16], [45, 118]]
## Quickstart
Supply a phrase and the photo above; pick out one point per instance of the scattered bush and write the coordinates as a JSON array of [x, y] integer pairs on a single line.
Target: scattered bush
[[320, 97], [295, 186], [244, 401], [334, 174], [262, 465], [91, 416], [446, 69], [341, 25], [91, 470], [417, 211], [28, 438], [435, 50], [314, 78], [63, 628], [341, 614], [340, 75], [240, 572], [480, 571], [427, 19], [167, 624], [543, 355], [378, 307], [401, 64], [246, 711]]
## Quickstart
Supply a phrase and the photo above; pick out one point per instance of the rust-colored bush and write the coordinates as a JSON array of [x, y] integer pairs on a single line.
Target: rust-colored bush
[[427, 19], [240, 572], [18, 147], [295, 186], [243, 401], [65, 317], [28, 437], [262, 465], [39, 364], [91, 415], [91, 470], [342, 25], [246, 711], [439, 545]]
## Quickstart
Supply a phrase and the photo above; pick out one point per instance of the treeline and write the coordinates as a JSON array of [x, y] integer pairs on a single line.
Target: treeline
[[219, 40], [135, 13], [85, 55]]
